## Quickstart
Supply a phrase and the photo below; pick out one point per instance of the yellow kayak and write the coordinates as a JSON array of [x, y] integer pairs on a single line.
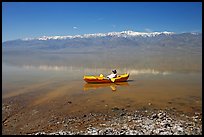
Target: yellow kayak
[[102, 79]]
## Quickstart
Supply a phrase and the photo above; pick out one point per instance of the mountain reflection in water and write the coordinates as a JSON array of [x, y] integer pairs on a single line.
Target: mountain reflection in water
[[159, 75]]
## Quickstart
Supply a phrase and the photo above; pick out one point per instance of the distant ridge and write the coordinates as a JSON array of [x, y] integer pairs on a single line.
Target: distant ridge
[[128, 33], [110, 39]]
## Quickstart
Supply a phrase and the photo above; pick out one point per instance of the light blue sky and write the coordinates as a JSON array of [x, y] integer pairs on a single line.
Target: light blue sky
[[35, 19]]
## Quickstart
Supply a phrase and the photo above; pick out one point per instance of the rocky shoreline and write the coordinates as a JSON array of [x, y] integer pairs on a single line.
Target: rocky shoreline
[[138, 122]]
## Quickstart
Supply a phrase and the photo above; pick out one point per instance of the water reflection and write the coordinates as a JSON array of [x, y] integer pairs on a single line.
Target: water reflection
[[95, 70], [113, 86]]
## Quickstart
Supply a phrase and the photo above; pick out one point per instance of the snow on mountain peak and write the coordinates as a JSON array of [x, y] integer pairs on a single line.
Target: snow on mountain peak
[[127, 33]]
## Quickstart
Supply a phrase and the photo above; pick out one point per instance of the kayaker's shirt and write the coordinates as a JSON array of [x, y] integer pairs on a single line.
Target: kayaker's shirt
[[112, 76]]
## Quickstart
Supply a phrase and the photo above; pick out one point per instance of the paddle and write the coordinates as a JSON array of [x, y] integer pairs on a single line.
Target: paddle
[[112, 79]]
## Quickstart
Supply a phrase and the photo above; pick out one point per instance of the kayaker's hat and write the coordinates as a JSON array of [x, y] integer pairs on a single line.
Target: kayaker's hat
[[114, 71]]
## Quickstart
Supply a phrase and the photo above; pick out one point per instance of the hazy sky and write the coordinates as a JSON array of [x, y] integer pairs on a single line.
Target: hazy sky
[[35, 19]]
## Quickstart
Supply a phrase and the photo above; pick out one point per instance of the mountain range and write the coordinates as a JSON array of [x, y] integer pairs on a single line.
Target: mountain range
[[110, 39]]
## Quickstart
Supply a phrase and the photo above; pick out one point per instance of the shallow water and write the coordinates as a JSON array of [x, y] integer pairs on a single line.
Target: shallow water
[[159, 78]]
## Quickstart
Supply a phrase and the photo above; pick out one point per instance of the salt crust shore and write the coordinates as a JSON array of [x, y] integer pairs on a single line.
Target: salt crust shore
[[138, 122]]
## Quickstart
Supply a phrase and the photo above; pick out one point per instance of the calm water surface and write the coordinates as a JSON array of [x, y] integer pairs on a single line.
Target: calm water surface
[[158, 78]]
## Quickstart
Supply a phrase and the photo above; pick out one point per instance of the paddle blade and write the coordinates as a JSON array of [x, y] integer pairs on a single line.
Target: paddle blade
[[112, 79]]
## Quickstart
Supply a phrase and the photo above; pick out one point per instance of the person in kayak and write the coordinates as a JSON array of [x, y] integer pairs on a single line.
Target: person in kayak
[[113, 75]]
